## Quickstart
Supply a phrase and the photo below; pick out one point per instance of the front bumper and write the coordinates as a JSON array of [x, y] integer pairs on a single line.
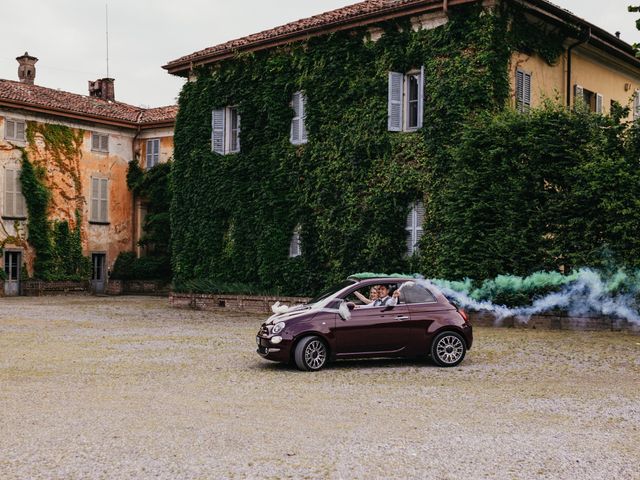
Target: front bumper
[[277, 353]]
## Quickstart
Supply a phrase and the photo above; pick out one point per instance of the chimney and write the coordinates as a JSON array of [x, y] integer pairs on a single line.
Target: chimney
[[103, 88], [27, 68], [617, 34]]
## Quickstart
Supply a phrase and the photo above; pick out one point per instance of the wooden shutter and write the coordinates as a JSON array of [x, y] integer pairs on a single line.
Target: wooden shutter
[[104, 214], [599, 100], [303, 117], [636, 105], [296, 120], [578, 95], [20, 209], [420, 97], [217, 131], [526, 91], [95, 142], [95, 203], [396, 81], [19, 131], [104, 143], [9, 196], [9, 129]]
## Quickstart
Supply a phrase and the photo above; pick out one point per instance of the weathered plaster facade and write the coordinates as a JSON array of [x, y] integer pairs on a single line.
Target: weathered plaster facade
[[69, 177]]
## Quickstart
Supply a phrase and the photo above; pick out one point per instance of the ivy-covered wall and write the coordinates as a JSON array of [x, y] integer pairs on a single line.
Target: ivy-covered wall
[[350, 186]]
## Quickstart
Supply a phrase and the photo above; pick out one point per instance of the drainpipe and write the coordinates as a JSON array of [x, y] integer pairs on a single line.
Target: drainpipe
[[134, 213], [569, 50], [445, 6]]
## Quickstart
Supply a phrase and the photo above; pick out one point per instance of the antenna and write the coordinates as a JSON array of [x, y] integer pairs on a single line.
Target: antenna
[[106, 14]]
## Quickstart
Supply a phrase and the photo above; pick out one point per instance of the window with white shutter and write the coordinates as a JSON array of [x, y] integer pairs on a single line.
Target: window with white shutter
[[225, 130], [153, 152], [99, 142], [99, 200], [14, 203], [523, 91], [415, 219], [298, 127], [14, 130], [599, 102], [636, 105], [406, 101], [295, 249]]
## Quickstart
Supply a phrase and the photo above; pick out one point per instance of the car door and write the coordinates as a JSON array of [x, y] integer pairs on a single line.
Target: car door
[[373, 330]]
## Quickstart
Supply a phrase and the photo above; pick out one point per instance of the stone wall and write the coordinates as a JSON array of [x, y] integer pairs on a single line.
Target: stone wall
[[232, 303], [37, 288], [137, 287]]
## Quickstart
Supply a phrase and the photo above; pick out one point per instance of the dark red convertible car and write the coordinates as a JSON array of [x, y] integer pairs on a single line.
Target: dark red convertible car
[[340, 324]]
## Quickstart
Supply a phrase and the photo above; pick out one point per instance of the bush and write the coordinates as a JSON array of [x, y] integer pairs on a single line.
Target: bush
[[128, 267]]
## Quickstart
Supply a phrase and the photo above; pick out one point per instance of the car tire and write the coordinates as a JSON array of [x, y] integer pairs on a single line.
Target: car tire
[[448, 349], [311, 354]]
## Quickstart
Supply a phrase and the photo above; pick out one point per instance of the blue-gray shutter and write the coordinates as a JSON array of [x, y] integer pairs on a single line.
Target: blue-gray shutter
[[10, 129], [217, 131], [104, 214], [94, 215], [295, 121], [20, 131], [303, 117], [396, 81], [421, 98]]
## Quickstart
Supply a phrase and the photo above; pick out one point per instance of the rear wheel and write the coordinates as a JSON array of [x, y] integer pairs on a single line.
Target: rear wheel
[[448, 349], [311, 354]]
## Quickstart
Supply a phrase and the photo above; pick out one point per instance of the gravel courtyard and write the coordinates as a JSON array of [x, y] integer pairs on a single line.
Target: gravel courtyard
[[120, 388]]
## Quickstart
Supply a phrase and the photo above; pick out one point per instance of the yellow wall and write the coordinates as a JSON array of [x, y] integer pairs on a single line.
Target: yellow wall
[[591, 69]]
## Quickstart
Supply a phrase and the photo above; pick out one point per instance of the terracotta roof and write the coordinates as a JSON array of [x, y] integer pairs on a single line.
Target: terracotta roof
[[323, 20], [159, 114], [56, 101], [365, 12]]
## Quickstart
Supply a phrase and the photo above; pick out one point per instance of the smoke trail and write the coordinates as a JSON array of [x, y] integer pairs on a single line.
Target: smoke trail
[[583, 292]]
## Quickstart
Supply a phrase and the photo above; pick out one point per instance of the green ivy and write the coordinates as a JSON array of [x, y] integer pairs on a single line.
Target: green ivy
[[350, 186], [58, 248]]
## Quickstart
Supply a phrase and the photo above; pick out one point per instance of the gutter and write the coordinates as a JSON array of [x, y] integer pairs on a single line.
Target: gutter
[[569, 51]]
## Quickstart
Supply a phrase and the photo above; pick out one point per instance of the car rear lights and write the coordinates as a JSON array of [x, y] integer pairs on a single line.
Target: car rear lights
[[464, 315]]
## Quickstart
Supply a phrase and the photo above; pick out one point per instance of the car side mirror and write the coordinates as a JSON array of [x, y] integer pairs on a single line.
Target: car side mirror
[[351, 305]]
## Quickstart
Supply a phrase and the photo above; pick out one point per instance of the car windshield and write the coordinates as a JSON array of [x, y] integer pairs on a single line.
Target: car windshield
[[330, 292]]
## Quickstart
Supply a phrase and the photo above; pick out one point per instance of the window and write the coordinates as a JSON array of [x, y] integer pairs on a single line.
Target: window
[[295, 249], [592, 100], [636, 105], [523, 91], [413, 227], [14, 204], [298, 127], [99, 204], [99, 142], [14, 130], [411, 292], [153, 152], [406, 101], [225, 130]]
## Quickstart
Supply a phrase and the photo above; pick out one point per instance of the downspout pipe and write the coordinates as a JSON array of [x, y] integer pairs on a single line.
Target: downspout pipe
[[134, 212], [445, 6], [581, 41]]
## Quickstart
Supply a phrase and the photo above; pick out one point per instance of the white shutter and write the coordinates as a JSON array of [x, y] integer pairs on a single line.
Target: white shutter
[[296, 120], [599, 100], [217, 131], [519, 90], [95, 142], [294, 245], [636, 105], [237, 145], [10, 129], [149, 154], [95, 204], [303, 118], [20, 207], [409, 227], [396, 81], [578, 95], [104, 216], [420, 97]]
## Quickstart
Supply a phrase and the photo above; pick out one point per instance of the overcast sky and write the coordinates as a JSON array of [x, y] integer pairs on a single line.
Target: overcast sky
[[68, 36]]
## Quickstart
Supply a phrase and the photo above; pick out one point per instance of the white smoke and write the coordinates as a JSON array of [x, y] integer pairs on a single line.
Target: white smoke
[[585, 293]]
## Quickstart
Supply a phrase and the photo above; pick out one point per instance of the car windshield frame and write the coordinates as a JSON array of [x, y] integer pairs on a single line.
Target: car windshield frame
[[329, 293]]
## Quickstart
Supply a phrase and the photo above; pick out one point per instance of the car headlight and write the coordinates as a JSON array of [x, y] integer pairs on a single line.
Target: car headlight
[[277, 328]]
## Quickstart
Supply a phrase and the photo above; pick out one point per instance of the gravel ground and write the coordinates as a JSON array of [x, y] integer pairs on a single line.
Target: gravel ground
[[127, 388]]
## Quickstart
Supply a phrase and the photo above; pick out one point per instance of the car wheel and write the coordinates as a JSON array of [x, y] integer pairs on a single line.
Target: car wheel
[[448, 349], [310, 354]]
